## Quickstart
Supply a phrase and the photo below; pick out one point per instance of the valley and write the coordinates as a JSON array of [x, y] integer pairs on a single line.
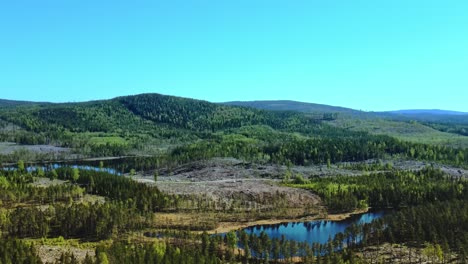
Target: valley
[[233, 132], [154, 178]]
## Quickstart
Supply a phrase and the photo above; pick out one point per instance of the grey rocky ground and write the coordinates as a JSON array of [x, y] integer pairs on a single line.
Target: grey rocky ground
[[229, 178], [9, 148]]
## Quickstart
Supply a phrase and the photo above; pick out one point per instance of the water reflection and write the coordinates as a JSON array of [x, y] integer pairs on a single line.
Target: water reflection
[[314, 231], [116, 166]]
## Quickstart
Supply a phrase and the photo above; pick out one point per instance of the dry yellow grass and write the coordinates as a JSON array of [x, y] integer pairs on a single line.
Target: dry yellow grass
[[224, 222]]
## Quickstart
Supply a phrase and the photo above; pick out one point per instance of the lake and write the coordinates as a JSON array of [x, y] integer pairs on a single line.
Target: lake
[[314, 231], [117, 166]]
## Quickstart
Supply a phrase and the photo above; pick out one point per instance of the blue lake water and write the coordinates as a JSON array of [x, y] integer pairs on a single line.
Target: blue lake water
[[59, 165], [315, 231], [117, 166]]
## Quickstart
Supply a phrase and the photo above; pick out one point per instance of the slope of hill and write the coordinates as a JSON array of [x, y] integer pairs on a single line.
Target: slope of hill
[[150, 123], [405, 130], [147, 122], [13, 103], [132, 113], [285, 105], [432, 126], [202, 115]]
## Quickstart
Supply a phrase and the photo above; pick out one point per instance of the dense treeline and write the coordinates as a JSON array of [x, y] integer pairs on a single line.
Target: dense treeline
[[142, 196], [16, 187], [460, 129], [441, 223], [290, 149], [103, 116], [92, 221], [14, 251], [389, 189], [202, 115], [158, 252], [23, 137]]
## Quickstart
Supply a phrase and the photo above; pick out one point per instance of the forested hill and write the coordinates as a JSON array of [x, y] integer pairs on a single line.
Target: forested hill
[[202, 115], [190, 129], [137, 112], [167, 116], [150, 123], [13, 103], [440, 127]]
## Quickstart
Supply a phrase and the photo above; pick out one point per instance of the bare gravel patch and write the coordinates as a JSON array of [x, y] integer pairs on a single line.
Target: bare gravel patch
[[390, 253], [46, 182], [231, 180], [248, 189], [51, 254], [9, 148]]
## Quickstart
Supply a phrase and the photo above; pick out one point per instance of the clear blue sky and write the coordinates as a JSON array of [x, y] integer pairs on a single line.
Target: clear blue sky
[[364, 54]]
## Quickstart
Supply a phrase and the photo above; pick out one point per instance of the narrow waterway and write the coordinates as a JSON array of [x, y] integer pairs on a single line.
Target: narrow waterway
[[116, 166]]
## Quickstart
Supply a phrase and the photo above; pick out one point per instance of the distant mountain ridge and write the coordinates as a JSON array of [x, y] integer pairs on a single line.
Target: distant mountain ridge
[[13, 103], [277, 105], [287, 105], [427, 112]]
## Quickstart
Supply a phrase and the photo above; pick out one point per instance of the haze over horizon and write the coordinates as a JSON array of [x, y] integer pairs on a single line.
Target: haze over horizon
[[365, 55]]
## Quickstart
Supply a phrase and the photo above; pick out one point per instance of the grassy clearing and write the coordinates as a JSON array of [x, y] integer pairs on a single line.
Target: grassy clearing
[[111, 140]]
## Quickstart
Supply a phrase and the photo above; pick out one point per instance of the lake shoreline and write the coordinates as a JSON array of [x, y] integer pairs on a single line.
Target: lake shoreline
[[225, 227]]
